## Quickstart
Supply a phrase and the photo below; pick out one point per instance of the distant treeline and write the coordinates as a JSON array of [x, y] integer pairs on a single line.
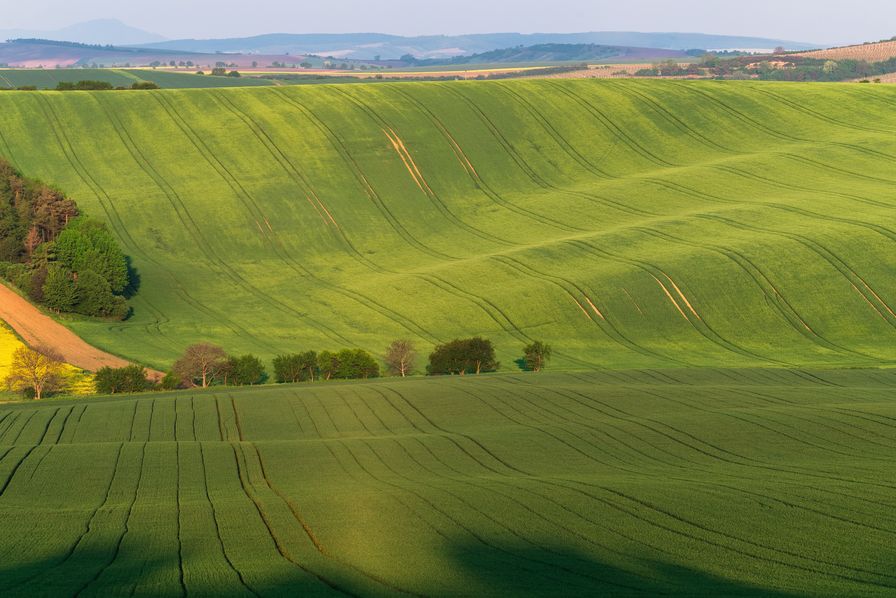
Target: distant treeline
[[536, 53], [106, 48], [59, 258], [87, 85], [773, 67]]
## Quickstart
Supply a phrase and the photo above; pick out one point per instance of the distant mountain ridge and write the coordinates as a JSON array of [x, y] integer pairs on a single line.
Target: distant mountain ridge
[[546, 53], [97, 31], [369, 46]]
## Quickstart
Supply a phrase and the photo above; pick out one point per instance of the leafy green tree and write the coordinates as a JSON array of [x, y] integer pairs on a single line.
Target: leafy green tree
[[60, 292], [481, 355], [536, 355], [245, 370], [357, 363], [462, 356], [449, 358], [130, 378], [328, 364], [288, 368], [95, 297], [88, 245]]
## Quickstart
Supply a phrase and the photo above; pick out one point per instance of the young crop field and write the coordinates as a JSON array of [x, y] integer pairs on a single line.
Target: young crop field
[[185, 80], [627, 223], [681, 482], [49, 78]]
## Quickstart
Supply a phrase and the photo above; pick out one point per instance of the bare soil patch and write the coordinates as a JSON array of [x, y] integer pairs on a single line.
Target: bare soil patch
[[871, 52], [37, 328]]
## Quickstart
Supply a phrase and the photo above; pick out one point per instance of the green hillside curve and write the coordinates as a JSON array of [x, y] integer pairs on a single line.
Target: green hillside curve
[[627, 223], [759, 482]]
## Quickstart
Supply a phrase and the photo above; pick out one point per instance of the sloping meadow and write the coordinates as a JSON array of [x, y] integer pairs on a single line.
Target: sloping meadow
[[737, 482], [626, 223]]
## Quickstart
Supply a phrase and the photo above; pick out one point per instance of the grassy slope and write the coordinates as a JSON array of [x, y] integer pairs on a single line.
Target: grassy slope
[[707, 223], [49, 78], [689, 483]]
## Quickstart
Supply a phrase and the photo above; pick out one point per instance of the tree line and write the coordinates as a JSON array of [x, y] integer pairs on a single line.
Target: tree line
[[39, 371], [86, 85], [58, 257]]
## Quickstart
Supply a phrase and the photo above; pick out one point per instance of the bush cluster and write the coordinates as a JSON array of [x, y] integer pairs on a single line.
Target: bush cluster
[[205, 364], [61, 260]]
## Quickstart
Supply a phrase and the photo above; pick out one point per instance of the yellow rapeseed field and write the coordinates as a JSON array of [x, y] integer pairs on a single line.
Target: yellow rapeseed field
[[78, 382]]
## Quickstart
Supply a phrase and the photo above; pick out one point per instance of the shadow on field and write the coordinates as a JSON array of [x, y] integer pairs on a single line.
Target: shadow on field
[[469, 570], [558, 571]]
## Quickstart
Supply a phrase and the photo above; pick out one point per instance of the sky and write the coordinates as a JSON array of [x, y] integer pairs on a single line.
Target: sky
[[821, 21]]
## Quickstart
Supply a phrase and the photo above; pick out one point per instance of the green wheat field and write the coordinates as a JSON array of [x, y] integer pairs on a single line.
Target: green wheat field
[[737, 482], [712, 263]]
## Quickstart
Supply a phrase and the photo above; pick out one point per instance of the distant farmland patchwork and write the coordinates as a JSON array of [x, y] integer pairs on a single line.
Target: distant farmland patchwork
[[627, 223], [717, 483], [49, 78]]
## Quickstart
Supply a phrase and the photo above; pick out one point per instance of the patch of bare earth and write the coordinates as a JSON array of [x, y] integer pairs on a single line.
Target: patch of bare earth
[[876, 52], [607, 71], [38, 329]]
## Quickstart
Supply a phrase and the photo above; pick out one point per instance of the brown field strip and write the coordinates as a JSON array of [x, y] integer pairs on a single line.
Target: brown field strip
[[38, 329]]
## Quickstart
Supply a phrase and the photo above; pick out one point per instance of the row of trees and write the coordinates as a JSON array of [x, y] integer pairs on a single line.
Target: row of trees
[[61, 260], [40, 371], [89, 85]]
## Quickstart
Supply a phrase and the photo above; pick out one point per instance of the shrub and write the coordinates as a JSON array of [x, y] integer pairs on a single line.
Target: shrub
[[170, 381], [462, 356], [357, 363], [131, 378]]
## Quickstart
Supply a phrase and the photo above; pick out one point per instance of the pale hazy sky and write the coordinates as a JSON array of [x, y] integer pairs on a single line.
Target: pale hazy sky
[[798, 20]]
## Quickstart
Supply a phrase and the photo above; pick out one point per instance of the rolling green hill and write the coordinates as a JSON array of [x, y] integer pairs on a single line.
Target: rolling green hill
[[627, 223], [49, 78], [686, 483]]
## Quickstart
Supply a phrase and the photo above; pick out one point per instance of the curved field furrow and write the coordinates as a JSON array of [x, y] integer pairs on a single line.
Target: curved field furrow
[[629, 482], [354, 216]]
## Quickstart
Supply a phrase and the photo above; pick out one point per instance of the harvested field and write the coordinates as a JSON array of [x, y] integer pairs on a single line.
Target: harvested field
[[875, 52]]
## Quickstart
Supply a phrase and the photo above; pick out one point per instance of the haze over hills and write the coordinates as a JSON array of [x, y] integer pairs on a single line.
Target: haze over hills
[[97, 31], [370, 45]]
